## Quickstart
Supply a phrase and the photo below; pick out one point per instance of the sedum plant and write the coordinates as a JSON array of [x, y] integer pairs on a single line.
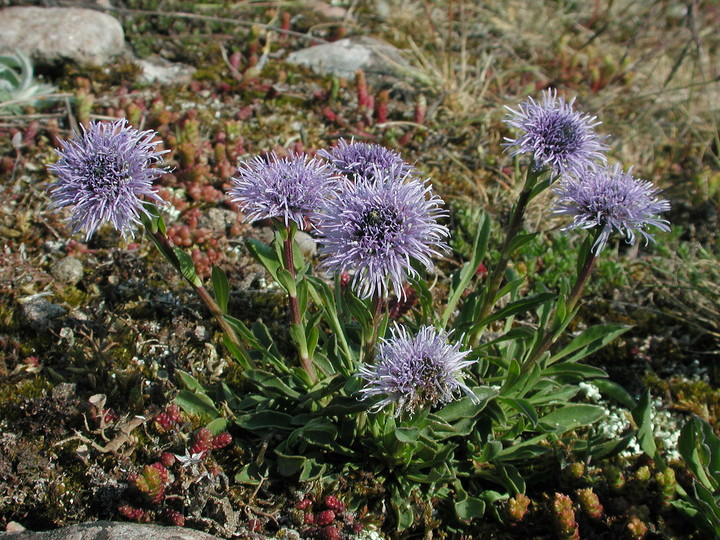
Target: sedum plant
[[439, 396]]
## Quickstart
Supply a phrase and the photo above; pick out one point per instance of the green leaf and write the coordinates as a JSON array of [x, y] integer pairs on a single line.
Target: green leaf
[[608, 449], [513, 308], [576, 371], [344, 405], [520, 240], [511, 478], [589, 341], [287, 464], [465, 408], [287, 281], [196, 404], [642, 414], [317, 432], [265, 256], [523, 406], [467, 508], [217, 426], [221, 288], [250, 474], [161, 225], [700, 449], [616, 392], [265, 380], [262, 420], [187, 267], [540, 187], [463, 277], [243, 331], [240, 355], [403, 510], [407, 434], [190, 382], [311, 470], [572, 417], [523, 451]]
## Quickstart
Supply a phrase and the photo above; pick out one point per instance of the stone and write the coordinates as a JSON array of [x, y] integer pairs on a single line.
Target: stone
[[307, 244], [51, 35], [41, 314], [157, 70], [218, 219], [344, 57], [68, 270], [110, 530]]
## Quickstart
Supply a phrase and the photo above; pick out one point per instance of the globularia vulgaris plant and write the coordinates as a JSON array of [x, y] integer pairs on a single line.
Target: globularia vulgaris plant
[[453, 398]]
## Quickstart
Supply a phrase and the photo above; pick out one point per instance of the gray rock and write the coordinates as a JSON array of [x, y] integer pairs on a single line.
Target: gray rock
[[344, 57], [41, 314], [53, 34], [156, 69], [110, 530], [307, 244], [218, 219], [68, 270]]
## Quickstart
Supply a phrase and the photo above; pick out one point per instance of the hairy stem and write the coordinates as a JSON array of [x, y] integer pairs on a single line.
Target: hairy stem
[[516, 220], [163, 244], [550, 334], [369, 345], [295, 315]]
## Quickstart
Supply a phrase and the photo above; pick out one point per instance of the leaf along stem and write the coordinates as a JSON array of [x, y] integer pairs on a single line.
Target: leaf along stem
[[551, 334], [162, 242], [295, 315]]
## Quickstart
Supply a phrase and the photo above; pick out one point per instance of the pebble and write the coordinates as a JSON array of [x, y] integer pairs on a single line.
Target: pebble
[[51, 35], [157, 70], [40, 314], [68, 270], [110, 530], [344, 57]]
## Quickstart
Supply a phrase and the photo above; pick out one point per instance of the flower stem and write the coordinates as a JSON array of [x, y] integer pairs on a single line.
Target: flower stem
[[550, 335], [163, 244], [370, 340], [295, 316], [513, 228]]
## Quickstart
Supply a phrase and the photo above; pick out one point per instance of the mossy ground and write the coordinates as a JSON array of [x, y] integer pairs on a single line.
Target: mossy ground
[[648, 69]]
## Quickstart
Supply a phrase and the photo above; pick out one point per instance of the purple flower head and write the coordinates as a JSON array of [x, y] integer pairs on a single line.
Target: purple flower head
[[366, 160], [414, 372], [290, 189], [612, 200], [377, 227], [106, 174], [555, 135]]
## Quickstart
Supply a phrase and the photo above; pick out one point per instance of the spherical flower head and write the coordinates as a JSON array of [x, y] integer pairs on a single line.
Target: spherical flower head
[[106, 174], [611, 200], [366, 160], [557, 136], [416, 372], [377, 228], [288, 189]]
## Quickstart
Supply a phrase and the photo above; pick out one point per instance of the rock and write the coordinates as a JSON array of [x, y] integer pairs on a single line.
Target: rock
[[218, 219], [68, 270], [110, 530], [156, 69], [41, 314], [327, 10], [52, 35], [307, 244], [64, 391], [344, 57]]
